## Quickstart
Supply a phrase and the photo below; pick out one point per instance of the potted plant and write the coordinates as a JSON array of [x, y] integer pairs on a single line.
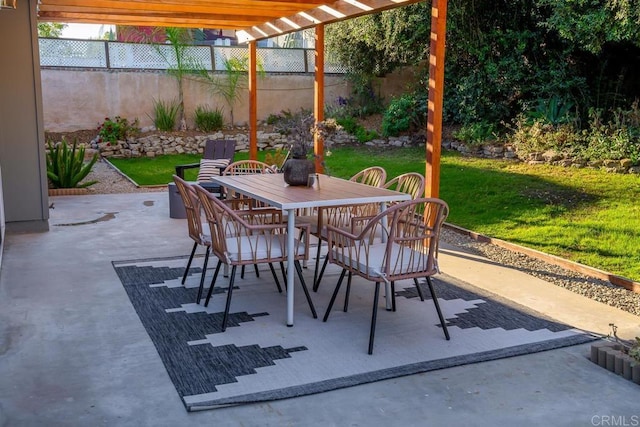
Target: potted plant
[[66, 167], [301, 129]]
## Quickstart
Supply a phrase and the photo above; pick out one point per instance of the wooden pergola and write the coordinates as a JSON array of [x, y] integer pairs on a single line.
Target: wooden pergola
[[254, 20]]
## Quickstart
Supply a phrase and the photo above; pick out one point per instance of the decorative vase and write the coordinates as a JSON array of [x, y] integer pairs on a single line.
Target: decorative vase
[[296, 170]]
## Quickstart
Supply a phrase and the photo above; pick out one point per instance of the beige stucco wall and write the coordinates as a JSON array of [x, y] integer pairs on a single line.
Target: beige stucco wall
[[81, 99]]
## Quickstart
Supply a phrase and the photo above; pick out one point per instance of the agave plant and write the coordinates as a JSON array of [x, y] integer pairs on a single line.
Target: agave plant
[[66, 166]]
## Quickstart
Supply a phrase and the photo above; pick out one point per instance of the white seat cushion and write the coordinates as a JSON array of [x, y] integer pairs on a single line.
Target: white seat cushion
[[258, 245], [404, 260]]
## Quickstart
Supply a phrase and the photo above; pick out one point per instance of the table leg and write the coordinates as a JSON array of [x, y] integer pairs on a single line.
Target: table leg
[[291, 229], [387, 285]]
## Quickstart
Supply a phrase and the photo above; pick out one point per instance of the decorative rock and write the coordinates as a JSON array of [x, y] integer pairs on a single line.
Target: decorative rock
[[551, 156]]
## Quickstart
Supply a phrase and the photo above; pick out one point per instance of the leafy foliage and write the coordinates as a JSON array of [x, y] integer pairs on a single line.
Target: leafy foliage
[[476, 133], [405, 113], [613, 138], [118, 129], [66, 166], [50, 29], [165, 114], [208, 119]]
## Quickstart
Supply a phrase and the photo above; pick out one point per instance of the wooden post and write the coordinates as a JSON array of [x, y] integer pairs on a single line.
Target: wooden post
[[436, 95], [253, 116], [318, 97]]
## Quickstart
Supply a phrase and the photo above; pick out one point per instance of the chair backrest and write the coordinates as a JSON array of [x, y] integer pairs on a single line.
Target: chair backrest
[[192, 207], [215, 149], [374, 176], [411, 183], [246, 167]]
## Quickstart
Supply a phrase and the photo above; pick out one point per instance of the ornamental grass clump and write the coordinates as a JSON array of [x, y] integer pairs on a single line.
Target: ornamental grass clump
[[66, 166]]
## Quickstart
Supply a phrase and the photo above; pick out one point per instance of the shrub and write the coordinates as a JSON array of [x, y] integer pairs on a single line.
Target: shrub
[[539, 137], [476, 133], [555, 111], [405, 113], [165, 114], [618, 138], [208, 120], [349, 124], [118, 129], [66, 166]]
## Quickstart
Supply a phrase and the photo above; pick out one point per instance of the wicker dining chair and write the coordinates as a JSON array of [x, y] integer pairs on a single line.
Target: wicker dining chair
[[195, 227], [238, 240], [410, 251], [374, 176], [411, 183], [340, 216]]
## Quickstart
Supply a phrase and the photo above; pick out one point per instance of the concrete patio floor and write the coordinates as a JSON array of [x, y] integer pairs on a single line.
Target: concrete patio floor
[[74, 353]]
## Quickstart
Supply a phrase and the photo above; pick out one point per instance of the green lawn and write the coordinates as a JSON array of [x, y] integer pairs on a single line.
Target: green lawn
[[585, 215]]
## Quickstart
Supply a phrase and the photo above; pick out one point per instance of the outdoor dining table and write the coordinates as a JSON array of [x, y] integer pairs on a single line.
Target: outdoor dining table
[[326, 191]]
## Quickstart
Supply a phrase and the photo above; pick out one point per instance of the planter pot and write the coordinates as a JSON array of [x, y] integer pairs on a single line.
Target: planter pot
[[296, 171], [67, 191], [610, 356]]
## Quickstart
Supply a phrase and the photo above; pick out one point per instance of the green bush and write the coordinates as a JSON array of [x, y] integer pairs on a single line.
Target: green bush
[[618, 138], [477, 133], [397, 118], [66, 166], [165, 114], [365, 135], [208, 120], [539, 137], [349, 124], [408, 112], [118, 129]]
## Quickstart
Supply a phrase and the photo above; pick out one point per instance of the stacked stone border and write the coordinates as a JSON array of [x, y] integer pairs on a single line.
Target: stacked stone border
[[159, 144]]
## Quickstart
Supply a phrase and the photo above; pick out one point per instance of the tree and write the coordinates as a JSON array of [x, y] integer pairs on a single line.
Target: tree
[[50, 29]]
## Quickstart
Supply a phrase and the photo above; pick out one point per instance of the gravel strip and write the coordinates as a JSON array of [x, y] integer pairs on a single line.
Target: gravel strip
[[110, 181], [596, 289]]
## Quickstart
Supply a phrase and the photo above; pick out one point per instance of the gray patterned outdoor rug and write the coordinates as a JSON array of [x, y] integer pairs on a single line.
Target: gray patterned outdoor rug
[[259, 358]]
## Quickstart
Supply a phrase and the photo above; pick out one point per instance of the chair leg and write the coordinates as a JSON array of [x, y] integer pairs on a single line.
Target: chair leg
[[374, 315], [324, 266], [273, 271], [255, 267], [346, 296], [204, 273], [226, 308], [316, 269], [415, 282], [242, 272], [284, 272], [304, 288], [186, 270], [393, 296], [300, 237], [213, 282], [333, 297], [435, 301]]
